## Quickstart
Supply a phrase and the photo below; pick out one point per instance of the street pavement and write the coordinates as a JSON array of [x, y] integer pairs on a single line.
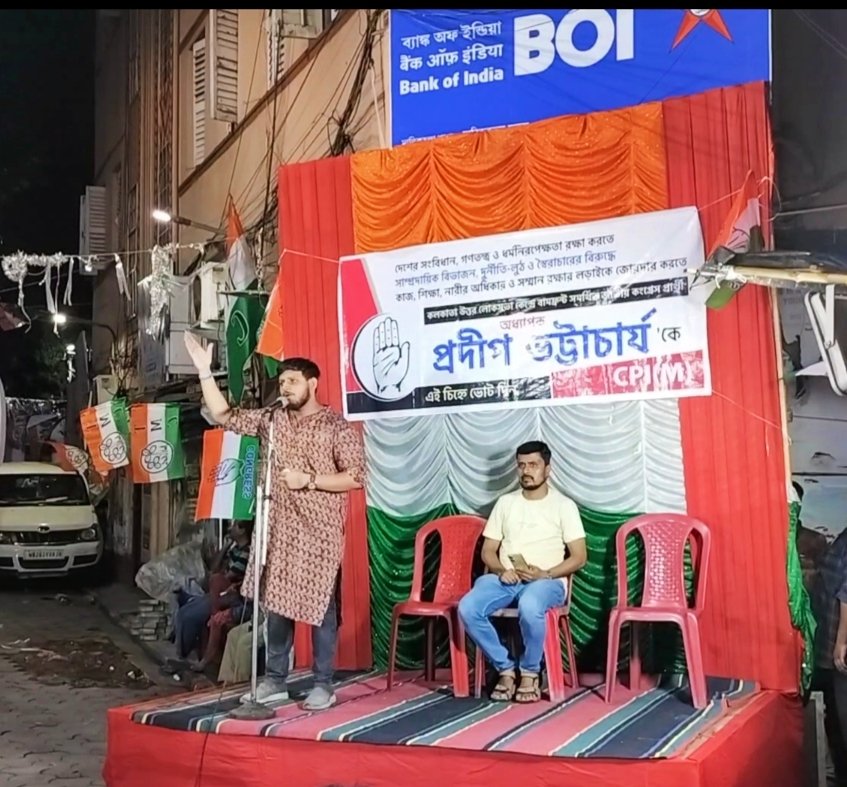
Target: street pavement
[[54, 693]]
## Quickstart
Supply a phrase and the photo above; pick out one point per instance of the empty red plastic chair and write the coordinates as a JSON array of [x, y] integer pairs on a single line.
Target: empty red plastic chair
[[459, 538], [664, 599]]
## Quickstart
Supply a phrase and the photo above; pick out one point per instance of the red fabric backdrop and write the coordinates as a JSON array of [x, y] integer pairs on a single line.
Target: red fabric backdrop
[[733, 451], [732, 441], [316, 220]]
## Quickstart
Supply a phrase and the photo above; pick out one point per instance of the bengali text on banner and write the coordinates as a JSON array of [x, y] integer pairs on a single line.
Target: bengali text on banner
[[586, 312], [470, 69]]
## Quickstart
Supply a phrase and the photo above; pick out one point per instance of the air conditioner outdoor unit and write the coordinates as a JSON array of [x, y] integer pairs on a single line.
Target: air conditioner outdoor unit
[[209, 301], [105, 387]]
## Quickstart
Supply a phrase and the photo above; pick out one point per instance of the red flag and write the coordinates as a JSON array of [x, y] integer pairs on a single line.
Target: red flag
[[270, 332]]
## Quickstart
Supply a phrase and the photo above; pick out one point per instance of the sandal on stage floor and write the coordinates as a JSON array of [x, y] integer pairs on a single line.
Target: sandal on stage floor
[[530, 688], [504, 691]]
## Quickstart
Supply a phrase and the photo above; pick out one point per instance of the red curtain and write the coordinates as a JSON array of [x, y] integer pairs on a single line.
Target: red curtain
[[733, 441], [315, 229]]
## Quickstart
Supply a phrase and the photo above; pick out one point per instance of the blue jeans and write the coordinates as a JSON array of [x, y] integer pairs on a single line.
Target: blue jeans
[[533, 599], [324, 641], [190, 620]]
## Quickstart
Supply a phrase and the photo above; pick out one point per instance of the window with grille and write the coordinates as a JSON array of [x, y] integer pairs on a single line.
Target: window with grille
[[275, 46], [132, 210], [292, 23], [223, 74], [116, 192], [198, 52], [302, 22], [163, 128], [134, 65]]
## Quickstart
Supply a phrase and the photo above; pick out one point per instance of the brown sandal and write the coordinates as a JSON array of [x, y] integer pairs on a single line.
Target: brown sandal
[[505, 689], [530, 688]]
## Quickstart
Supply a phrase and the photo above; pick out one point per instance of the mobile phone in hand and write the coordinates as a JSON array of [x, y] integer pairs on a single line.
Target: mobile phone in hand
[[519, 563]]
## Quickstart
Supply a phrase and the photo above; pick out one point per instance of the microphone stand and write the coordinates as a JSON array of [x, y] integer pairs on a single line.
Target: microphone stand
[[252, 708]]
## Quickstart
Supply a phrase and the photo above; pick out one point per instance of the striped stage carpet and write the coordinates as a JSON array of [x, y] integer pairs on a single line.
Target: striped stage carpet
[[658, 722]]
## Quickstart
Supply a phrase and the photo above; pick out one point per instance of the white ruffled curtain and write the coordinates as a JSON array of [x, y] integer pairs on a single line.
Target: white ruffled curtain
[[617, 457]]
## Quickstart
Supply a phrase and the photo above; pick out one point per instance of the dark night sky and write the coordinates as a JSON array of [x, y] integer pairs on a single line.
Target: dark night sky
[[46, 160]]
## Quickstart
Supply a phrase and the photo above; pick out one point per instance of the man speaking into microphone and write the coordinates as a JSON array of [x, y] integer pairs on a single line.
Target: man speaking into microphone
[[318, 458]]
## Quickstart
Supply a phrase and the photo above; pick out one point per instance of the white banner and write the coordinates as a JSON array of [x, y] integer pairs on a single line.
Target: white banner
[[586, 312]]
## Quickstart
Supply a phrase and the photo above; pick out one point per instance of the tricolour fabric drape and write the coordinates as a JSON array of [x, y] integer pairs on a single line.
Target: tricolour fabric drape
[[692, 151], [316, 228], [735, 472], [614, 459]]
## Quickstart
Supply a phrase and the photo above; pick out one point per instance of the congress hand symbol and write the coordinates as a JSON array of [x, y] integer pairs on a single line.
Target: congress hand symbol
[[390, 358]]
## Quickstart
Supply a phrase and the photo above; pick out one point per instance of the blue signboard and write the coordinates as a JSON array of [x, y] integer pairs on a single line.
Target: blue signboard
[[455, 71]]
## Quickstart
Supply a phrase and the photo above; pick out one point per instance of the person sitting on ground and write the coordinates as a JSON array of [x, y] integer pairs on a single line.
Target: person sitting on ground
[[237, 661], [223, 594], [534, 540]]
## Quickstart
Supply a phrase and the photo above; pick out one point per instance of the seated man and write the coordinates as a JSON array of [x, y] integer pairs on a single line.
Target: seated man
[[524, 550], [224, 583]]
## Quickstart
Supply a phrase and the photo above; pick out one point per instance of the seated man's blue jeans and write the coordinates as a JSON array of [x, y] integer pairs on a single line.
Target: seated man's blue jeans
[[533, 599]]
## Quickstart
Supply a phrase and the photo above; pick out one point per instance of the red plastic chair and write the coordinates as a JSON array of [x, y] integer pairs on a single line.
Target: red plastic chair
[[459, 537], [558, 619], [664, 598]]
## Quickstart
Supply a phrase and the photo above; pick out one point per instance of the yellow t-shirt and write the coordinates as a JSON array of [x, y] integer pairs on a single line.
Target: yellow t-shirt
[[536, 529]]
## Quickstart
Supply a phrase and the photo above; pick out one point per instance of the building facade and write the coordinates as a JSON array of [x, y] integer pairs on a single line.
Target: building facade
[[195, 108]]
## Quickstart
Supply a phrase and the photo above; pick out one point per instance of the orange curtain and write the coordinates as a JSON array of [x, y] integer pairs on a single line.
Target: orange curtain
[[560, 171]]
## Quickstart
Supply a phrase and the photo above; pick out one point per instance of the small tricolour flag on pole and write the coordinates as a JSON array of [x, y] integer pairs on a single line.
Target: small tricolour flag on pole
[[227, 476], [741, 232], [157, 453], [105, 429]]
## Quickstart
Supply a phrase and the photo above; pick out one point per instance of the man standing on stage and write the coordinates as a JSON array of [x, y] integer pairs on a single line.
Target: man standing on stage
[[534, 541], [318, 458]]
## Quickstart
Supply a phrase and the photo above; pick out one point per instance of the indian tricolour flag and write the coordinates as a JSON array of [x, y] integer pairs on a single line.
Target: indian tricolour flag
[[105, 429], [228, 475], [741, 232], [157, 453]]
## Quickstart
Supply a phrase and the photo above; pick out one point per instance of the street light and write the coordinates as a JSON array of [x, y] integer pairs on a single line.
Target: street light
[[59, 318], [165, 217]]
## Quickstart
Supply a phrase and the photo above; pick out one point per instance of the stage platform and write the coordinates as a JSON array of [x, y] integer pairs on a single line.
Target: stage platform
[[419, 735]]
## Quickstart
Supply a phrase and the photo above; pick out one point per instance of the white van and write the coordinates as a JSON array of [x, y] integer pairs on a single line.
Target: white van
[[48, 526]]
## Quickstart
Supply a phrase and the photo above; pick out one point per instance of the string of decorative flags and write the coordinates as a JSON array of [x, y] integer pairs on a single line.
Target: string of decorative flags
[[147, 438], [18, 266]]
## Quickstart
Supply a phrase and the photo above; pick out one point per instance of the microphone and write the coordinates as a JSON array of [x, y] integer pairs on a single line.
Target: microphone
[[278, 404]]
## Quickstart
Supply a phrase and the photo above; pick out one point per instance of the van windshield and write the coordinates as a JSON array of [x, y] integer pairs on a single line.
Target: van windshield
[[42, 490]]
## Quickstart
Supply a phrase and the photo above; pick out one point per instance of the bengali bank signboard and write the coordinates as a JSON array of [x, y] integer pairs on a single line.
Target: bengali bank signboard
[[462, 70], [582, 313]]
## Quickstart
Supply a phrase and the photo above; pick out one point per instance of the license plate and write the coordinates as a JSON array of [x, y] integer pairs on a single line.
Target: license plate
[[43, 554]]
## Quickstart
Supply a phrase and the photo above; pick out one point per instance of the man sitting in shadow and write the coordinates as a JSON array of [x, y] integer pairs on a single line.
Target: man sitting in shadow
[[220, 606]]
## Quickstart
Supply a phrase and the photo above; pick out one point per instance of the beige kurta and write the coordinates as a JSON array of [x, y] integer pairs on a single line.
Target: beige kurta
[[305, 528]]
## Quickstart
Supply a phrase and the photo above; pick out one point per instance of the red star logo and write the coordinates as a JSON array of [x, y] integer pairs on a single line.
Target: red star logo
[[693, 17]]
